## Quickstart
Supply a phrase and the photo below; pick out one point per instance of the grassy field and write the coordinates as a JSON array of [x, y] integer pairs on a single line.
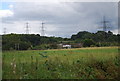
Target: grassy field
[[82, 63]]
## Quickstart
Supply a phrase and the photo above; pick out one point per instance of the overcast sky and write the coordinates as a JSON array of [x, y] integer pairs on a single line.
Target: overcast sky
[[61, 18]]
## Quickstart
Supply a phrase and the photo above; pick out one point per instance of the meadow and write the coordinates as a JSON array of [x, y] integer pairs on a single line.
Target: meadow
[[78, 63]]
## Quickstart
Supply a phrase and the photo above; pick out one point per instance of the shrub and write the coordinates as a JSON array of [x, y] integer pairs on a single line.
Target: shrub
[[88, 42]]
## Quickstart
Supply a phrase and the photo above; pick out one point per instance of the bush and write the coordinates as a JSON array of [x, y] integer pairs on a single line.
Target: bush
[[41, 47], [45, 46], [53, 46], [24, 45], [88, 43]]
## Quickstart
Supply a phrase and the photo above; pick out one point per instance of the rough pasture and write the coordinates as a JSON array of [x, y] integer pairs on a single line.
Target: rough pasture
[[82, 63]]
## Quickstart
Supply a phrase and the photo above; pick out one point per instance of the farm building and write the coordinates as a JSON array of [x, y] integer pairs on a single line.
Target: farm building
[[78, 45], [64, 46]]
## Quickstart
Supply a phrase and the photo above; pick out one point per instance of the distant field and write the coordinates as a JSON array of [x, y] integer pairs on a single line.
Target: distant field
[[81, 63]]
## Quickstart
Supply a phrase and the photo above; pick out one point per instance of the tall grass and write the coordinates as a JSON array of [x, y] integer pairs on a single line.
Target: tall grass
[[85, 63]]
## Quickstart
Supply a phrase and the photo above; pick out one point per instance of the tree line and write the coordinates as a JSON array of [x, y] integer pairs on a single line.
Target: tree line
[[37, 42]]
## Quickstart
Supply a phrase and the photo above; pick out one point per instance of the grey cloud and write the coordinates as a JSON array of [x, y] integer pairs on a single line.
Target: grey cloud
[[68, 17]]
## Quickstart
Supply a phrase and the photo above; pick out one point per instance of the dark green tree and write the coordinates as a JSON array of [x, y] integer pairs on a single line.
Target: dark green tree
[[88, 42]]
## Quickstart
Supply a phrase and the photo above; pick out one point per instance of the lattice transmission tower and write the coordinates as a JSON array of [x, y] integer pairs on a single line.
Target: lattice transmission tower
[[42, 29], [27, 28], [104, 22], [4, 31]]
